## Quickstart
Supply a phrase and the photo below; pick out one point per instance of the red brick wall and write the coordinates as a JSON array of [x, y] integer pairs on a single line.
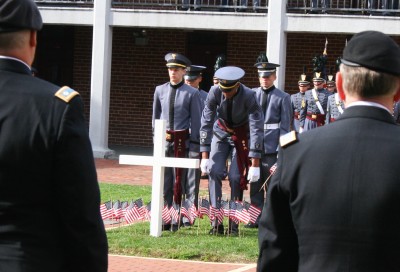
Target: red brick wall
[[301, 48], [82, 64], [243, 50], [137, 70]]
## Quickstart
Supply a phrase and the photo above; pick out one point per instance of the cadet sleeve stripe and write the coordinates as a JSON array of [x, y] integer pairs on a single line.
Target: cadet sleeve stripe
[[66, 93]]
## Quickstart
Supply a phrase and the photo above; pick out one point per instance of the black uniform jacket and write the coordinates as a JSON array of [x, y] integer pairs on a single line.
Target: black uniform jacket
[[334, 202], [49, 195]]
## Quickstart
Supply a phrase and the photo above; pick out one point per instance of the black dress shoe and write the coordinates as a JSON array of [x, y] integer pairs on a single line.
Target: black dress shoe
[[217, 230], [232, 232], [166, 227], [251, 226], [205, 176], [174, 227], [187, 224]]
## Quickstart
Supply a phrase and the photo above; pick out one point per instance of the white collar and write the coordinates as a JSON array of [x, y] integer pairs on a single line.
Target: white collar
[[7, 57]]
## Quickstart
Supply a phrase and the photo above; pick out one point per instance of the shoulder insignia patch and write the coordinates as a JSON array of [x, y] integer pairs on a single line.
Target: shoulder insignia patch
[[288, 138], [66, 93]]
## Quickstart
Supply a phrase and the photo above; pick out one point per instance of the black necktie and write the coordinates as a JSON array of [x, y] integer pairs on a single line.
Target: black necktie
[[265, 98], [172, 107]]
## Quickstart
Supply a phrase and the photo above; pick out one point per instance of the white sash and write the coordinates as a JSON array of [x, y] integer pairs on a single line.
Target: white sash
[[314, 93], [337, 101]]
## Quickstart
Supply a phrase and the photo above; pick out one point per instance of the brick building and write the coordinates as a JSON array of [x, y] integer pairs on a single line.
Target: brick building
[[66, 49]]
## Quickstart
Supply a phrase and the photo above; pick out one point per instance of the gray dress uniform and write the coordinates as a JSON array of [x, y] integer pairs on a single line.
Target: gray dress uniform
[[277, 118], [241, 109], [297, 102], [396, 112], [311, 116], [334, 109], [187, 114], [203, 97], [191, 186]]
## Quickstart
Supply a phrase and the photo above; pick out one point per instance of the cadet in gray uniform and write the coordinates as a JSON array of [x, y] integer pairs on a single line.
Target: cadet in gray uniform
[[297, 100], [180, 105], [277, 112], [232, 120], [193, 78], [396, 112], [335, 104], [316, 101]]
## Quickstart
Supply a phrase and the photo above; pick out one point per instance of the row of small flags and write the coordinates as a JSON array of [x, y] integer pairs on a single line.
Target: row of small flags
[[238, 211], [133, 211]]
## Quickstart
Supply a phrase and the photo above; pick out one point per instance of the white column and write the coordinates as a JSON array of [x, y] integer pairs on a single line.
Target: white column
[[100, 83], [276, 43]]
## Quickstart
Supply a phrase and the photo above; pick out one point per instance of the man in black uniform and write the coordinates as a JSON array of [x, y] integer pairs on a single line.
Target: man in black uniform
[[49, 195], [332, 204]]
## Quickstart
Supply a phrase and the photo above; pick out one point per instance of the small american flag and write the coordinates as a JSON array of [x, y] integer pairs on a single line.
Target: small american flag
[[253, 211], [174, 211], [232, 211], [106, 210], [147, 215], [188, 210], [193, 211], [131, 213], [241, 213], [272, 169], [117, 210], [166, 216], [140, 207], [204, 208], [225, 207], [185, 208]]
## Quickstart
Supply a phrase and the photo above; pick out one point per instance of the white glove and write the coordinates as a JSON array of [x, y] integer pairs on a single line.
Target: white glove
[[203, 166], [301, 130], [254, 174]]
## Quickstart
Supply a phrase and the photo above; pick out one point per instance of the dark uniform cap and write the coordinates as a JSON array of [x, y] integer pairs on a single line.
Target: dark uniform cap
[[265, 68], [16, 15], [177, 60], [373, 50], [229, 77], [193, 72]]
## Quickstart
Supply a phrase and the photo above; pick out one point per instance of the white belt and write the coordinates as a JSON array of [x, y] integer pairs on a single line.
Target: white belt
[[271, 126]]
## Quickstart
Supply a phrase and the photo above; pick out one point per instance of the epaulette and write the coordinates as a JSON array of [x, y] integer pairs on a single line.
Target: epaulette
[[288, 138], [66, 93]]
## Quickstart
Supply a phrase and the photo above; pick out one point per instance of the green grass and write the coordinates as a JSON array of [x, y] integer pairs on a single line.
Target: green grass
[[192, 243]]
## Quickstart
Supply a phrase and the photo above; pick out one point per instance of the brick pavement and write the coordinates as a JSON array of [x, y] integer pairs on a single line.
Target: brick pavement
[[111, 171]]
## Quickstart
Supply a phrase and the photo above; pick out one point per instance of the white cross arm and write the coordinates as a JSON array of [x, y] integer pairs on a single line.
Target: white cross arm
[[164, 162], [158, 162]]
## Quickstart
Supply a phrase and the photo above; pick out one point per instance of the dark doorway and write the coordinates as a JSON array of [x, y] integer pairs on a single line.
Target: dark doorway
[[203, 49], [54, 54]]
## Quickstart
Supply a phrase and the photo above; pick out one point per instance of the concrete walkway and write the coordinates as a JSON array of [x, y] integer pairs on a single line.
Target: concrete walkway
[[111, 171]]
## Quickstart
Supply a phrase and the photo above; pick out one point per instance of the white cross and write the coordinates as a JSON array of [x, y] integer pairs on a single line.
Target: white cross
[[159, 162]]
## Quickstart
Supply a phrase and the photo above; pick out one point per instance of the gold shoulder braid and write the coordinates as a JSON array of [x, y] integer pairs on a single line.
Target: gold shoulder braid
[[66, 93]]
